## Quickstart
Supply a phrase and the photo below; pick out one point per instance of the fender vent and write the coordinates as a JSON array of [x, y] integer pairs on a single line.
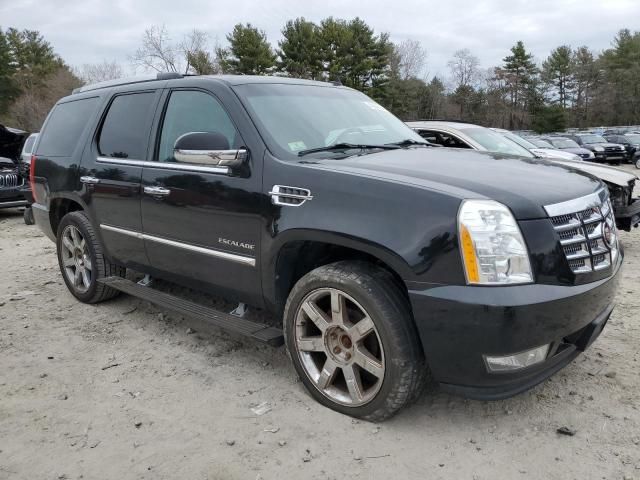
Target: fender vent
[[289, 196]]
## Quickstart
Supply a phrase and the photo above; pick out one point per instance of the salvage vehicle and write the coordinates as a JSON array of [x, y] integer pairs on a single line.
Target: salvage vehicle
[[12, 183], [25, 164], [464, 135], [604, 151], [540, 152], [568, 145], [387, 260]]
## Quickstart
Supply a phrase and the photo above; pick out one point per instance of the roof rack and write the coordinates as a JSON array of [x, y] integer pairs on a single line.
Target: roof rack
[[128, 81]]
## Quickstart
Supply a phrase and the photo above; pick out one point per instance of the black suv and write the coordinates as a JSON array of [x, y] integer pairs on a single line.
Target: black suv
[[603, 150], [384, 257], [631, 143]]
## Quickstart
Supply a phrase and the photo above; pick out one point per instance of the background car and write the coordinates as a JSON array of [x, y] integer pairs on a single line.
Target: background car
[[27, 149], [604, 150], [540, 152], [631, 143], [568, 145], [465, 135], [12, 182]]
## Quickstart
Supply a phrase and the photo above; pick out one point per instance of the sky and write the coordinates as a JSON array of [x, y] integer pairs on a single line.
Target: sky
[[90, 31]]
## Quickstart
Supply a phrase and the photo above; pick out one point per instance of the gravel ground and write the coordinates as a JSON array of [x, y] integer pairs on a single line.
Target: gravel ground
[[123, 390]]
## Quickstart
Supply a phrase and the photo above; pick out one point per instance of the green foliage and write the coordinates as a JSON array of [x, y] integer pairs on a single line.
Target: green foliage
[[550, 119], [201, 63], [558, 70], [8, 86], [299, 51], [249, 52]]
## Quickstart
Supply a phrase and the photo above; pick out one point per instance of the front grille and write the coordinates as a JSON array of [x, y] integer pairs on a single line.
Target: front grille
[[585, 155], [10, 180], [587, 232]]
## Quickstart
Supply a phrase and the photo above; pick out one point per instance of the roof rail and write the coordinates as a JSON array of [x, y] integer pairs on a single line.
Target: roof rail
[[128, 81]]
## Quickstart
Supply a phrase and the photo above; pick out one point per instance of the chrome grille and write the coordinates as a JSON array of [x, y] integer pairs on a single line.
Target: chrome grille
[[586, 231], [10, 180]]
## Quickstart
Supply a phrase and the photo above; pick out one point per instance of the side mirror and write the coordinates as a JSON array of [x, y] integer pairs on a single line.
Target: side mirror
[[208, 149]]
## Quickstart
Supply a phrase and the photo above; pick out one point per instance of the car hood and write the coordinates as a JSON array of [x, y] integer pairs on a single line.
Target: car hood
[[613, 175], [525, 185], [604, 145], [11, 141], [552, 153], [576, 150]]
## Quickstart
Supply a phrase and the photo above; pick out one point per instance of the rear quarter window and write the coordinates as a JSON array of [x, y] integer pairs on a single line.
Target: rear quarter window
[[64, 127]]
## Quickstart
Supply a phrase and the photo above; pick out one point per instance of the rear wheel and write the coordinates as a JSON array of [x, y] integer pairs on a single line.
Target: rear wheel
[[28, 216], [352, 340], [81, 260]]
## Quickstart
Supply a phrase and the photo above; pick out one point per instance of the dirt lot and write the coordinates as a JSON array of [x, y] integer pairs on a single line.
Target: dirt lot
[[122, 390]]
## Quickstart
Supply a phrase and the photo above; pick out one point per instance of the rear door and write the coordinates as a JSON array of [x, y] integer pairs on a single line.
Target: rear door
[[202, 224], [112, 171]]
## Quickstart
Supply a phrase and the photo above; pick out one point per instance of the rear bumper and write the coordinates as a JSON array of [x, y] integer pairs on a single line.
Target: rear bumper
[[41, 218], [459, 325]]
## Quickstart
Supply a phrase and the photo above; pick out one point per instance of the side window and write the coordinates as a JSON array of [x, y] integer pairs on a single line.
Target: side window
[[193, 111], [64, 127], [125, 130], [449, 140], [429, 136]]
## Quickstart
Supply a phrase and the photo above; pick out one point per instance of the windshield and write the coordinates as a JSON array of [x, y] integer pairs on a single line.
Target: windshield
[[518, 139], [592, 139], [495, 142], [540, 143], [564, 143], [633, 138], [292, 118]]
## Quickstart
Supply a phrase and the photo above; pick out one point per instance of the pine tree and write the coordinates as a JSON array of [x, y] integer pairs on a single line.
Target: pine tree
[[558, 71], [249, 52], [299, 51]]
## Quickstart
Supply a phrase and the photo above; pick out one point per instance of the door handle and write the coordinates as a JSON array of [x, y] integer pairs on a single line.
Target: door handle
[[89, 180], [157, 191]]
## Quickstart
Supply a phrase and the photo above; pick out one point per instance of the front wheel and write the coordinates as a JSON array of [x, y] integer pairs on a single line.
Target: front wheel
[[352, 340], [82, 261]]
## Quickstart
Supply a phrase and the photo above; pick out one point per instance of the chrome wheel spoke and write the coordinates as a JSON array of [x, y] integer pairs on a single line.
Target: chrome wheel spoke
[[77, 277], [87, 263], [368, 362], [315, 315], [354, 383], [68, 244], [86, 281], [75, 237], [327, 374], [361, 329], [338, 308], [311, 344], [68, 262]]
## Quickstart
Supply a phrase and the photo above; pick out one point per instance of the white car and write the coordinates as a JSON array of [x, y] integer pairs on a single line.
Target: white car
[[550, 153], [27, 149]]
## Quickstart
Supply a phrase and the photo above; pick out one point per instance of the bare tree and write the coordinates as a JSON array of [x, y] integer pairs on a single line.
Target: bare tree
[[157, 52], [464, 69], [100, 72], [412, 59]]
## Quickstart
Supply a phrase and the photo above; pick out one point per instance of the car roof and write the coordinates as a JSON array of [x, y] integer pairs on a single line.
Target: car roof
[[441, 124]]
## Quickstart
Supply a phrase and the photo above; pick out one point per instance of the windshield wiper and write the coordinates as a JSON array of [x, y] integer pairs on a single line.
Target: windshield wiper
[[409, 142], [347, 146]]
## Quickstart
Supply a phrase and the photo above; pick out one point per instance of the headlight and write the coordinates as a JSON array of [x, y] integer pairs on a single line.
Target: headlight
[[591, 155], [598, 149], [491, 244]]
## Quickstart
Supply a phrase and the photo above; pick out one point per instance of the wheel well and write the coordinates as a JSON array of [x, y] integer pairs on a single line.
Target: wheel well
[[298, 258], [59, 208]]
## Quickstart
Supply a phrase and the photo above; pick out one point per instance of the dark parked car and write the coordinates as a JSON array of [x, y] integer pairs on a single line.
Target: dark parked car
[[568, 145], [12, 182], [385, 258], [631, 143], [604, 151]]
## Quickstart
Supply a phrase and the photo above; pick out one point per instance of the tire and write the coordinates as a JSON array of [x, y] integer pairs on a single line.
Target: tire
[[326, 352], [82, 263], [637, 163], [28, 216]]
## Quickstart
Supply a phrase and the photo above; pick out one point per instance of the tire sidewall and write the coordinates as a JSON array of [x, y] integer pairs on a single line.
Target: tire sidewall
[[396, 359], [76, 219]]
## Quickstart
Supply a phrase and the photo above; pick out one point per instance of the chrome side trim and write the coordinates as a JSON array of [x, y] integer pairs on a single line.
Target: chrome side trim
[[280, 193], [163, 165], [577, 204], [186, 246], [89, 180]]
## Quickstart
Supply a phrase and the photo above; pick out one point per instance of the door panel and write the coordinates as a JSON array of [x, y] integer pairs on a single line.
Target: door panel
[[112, 172], [205, 229]]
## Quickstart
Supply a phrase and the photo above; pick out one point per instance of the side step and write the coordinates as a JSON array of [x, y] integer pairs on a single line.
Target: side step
[[258, 331]]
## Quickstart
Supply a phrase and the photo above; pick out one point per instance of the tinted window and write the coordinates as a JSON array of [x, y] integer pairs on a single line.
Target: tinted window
[[494, 142], [28, 145], [125, 131], [192, 111], [64, 127]]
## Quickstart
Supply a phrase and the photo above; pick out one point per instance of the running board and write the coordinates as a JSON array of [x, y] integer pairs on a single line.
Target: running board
[[232, 323]]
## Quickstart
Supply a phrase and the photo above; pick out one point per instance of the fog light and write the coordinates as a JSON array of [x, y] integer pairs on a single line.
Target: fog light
[[517, 361]]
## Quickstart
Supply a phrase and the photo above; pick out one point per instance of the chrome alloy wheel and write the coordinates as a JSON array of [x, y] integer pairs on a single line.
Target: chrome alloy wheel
[[76, 260], [339, 347]]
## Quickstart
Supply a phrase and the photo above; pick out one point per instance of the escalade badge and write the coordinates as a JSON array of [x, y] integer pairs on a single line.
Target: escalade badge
[[235, 243]]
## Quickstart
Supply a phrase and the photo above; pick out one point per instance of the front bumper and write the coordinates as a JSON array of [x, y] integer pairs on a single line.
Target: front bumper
[[459, 325], [629, 216], [10, 198]]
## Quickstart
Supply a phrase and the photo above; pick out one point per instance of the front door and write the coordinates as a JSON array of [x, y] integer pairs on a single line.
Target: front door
[[201, 224], [112, 171]]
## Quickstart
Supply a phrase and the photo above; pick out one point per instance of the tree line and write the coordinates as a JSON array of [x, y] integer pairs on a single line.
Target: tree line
[[572, 87]]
